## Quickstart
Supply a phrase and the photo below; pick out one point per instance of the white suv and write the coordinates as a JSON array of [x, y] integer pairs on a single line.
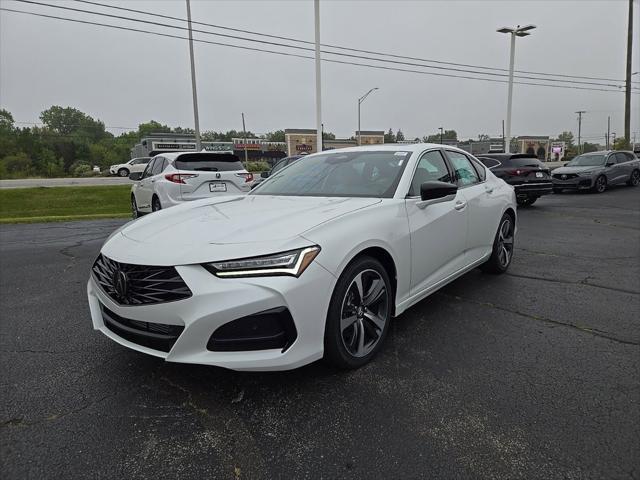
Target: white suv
[[174, 178], [132, 166]]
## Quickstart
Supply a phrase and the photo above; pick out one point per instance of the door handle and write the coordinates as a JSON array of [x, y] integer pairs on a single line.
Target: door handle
[[460, 205], [488, 189]]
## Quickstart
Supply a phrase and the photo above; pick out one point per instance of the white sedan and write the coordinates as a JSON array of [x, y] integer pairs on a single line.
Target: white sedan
[[337, 246]]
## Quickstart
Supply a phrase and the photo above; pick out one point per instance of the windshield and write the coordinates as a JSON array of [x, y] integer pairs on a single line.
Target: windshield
[[339, 174], [587, 161], [209, 162]]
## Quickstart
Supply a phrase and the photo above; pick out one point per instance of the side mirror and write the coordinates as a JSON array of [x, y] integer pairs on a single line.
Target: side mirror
[[264, 174], [135, 176], [565, 164], [437, 191]]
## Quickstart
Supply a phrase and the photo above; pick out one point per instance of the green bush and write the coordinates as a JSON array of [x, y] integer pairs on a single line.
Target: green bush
[[80, 169], [257, 166]]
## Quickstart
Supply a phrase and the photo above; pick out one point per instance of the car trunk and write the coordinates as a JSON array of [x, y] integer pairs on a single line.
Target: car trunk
[[523, 170], [205, 175]]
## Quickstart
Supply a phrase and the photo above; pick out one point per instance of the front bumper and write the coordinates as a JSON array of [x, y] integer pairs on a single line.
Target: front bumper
[[576, 183], [216, 301], [533, 189]]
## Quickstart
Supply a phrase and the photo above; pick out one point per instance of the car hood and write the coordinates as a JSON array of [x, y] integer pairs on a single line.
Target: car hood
[[225, 227], [575, 169]]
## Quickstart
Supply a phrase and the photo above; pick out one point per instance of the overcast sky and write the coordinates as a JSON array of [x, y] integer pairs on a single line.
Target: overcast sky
[[125, 78]]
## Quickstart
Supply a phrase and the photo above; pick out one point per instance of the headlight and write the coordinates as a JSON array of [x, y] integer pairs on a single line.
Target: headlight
[[293, 263], [586, 174]]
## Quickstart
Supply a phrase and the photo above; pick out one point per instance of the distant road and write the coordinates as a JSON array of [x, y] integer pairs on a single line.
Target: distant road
[[64, 182]]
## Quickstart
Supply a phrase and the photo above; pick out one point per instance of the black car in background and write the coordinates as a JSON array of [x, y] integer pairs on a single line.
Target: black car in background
[[529, 177], [280, 164]]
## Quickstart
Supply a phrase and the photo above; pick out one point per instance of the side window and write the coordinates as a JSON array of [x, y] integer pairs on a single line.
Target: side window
[[157, 166], [489, 162], [621, 157], [479, 168], [431, 167], [463, 170], [278, 166], [147, 171]]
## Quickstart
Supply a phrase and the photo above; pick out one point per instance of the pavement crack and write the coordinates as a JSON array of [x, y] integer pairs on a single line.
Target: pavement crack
[[581, 328], [584, 281]]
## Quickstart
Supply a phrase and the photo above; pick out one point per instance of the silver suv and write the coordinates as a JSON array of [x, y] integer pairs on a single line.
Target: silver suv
[[596, 171]]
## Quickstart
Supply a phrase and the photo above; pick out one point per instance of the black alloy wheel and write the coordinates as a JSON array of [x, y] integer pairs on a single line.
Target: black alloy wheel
[[600, 185], [634, 180], [359, 314]]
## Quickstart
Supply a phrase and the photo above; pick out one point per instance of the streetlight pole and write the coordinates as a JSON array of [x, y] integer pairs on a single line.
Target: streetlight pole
[[196, 119], [514, 32], [441, 131], [360, 100], [580, 112], [244, 131], [316, 11]]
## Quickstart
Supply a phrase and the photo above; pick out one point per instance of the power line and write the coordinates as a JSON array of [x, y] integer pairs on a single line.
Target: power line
[[345, 48], [242, 47], [361, 57]]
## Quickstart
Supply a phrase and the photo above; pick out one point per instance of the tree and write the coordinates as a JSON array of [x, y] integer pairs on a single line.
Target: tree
[[589, 147], [71, 121], [621, 143], [483, 137], [389, 137], [277, 136], [567, 138], [399, 136], [6, 120], [446, 135], [144, 129], [328, 136]]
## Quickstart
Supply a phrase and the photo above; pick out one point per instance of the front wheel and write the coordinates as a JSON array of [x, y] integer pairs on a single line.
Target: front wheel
[[600, 185], [526, 201], [359, 314], [502, 252], [634, 180]]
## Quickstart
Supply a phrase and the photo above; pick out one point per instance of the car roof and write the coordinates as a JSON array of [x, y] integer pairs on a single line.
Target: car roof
[[506, 156], [393, 147]]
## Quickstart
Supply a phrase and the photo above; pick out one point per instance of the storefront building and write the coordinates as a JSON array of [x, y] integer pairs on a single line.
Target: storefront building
[[301, 140]]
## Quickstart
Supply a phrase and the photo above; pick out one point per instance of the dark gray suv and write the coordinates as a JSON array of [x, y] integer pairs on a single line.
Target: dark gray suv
[[596, 171]]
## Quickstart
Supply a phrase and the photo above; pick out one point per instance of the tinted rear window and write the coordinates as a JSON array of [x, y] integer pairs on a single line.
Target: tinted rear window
[[208, 162], [521, 162]]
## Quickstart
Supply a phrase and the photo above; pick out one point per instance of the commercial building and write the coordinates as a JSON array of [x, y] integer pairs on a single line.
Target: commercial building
[[304, 140]]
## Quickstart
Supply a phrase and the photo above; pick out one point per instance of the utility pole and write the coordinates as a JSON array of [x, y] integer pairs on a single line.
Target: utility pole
[[244, 131], [196, 119], [316, 9], [441, 130], [627, 93], [580, 112], [503, 144], [608, 130]]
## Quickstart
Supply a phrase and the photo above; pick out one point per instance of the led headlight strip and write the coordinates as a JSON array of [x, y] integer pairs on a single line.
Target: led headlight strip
[[292, 262]]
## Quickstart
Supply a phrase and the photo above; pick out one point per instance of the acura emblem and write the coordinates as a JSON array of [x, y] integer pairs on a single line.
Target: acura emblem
[[564, 177], [217, 175], [121, 284]]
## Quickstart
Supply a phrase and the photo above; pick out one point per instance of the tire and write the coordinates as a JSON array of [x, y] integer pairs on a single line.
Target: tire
[[135, 213], [155, 204], [600, 185], [503, 243], [123, 172], [634, 180], [525, 202], [356, 323]]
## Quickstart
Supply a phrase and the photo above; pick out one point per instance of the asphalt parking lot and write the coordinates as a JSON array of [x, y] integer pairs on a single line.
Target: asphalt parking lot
[[533, 374]]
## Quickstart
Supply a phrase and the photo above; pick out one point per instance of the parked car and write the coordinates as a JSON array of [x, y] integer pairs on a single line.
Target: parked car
[[529, 177], [597, 170], [173, 178], [280, 164], [132, 166], [344, 241]]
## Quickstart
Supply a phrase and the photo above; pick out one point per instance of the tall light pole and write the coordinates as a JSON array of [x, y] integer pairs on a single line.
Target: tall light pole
[[580, 112], [627, 91], [196, 119], [441, 132], [316, 12], [514, 32], [360, 100]]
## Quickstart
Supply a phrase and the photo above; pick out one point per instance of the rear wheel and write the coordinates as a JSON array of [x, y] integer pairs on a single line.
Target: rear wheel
[[600, 185], [359, 314], [634, 180], [502, 252], [526, 201], [123, 172], [134, 208], [155, 204]]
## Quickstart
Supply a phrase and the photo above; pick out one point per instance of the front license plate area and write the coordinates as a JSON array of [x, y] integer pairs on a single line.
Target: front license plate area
[[217, 187]]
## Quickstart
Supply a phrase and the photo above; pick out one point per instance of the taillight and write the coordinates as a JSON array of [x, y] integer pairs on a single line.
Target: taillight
[[248, 177], [514, 173], [179, 177]]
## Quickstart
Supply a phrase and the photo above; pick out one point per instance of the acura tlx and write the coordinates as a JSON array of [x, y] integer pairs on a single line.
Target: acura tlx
[[312, 264]]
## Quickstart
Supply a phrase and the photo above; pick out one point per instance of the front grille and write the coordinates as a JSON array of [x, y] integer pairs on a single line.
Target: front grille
[[564, 176], [158, 336], [129, 284]]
